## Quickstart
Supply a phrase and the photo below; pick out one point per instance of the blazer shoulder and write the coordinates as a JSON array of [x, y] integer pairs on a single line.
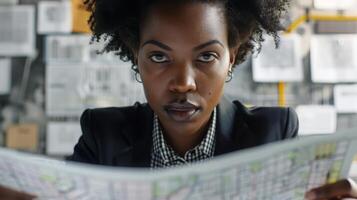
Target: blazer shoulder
[[118, 115], [273, 122], [115, 121], [106, 131]]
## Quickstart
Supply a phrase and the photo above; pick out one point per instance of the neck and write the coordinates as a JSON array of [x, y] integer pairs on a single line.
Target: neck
[[183, 140]]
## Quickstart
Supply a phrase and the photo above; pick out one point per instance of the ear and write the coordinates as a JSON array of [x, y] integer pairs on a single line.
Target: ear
[[135, 56], [233, 51]]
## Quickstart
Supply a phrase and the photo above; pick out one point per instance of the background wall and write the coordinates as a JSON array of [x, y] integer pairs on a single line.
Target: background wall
[[36, 85]]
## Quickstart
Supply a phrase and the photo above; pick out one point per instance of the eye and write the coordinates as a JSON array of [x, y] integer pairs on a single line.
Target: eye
[[158, 58], [207, 57]]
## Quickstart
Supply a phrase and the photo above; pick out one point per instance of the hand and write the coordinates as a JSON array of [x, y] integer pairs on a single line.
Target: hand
[[9, 194], [341, 189]]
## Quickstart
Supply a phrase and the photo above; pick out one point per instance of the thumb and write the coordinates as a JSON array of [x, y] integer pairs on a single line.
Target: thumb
[[342, 188]]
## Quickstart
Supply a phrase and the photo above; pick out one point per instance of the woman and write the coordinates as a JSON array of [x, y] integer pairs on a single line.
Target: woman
[[184, 52]]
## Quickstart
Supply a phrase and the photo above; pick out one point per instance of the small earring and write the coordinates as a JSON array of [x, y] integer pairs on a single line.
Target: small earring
[[137, 74], [230, 75], [138, 78]]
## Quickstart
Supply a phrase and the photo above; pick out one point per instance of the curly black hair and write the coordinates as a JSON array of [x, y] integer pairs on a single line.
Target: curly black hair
[[118, 22]]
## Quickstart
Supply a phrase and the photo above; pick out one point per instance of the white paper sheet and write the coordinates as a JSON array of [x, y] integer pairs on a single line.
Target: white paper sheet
[[76, 49], [282, 64], [316, 119], [17, 34], [335, 4], [62, 98], [333, 58], [54, 17], [305, 3], [280, 171], [67, 48], [9, 2], [5, 76], [72, 88], [346, 98], [61, 137]]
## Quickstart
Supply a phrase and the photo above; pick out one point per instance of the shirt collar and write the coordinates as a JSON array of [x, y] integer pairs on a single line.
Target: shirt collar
[[165, 151]]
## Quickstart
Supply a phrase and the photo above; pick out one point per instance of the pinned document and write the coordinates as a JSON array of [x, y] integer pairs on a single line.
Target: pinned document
[[76, 48], [316, 119], [333, 58], [61, 137], [281, 64], [5, 76], [62, 98], [346, 98], [67, 48], [335, 4], [17, 34], [54, 17], [9, 2], [73, 87], [22, 136]]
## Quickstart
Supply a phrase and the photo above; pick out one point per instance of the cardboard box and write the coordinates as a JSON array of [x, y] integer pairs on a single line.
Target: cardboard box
[[80, 17], [22, 137]]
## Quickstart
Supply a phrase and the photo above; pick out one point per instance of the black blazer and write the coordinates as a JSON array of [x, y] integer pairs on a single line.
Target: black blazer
[[123, 136]]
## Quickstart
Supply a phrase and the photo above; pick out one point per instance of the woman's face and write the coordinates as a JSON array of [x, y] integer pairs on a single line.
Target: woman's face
[[183, 60]]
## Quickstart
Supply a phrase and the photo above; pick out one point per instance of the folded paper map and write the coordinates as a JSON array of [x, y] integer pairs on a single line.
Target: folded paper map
[[278, 171]]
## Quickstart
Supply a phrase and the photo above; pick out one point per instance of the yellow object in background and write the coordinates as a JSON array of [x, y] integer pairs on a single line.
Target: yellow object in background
[[281, 94], [80, 17], [315, 17], [22, 137]]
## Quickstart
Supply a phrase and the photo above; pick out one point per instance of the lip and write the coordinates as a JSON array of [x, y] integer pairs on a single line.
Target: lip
[[181, 112]]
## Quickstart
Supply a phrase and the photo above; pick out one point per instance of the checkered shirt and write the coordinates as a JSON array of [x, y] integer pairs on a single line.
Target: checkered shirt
[[162, 155]]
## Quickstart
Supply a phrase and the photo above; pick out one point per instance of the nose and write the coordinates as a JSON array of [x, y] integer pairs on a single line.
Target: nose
[[183, 79]]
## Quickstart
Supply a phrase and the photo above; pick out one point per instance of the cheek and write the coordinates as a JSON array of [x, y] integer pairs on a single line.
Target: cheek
[[215, 81], [154, 88], [213, 87], [153, 93]]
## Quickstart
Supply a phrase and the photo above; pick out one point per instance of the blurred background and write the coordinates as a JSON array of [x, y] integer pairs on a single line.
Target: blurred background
[[49, 73]]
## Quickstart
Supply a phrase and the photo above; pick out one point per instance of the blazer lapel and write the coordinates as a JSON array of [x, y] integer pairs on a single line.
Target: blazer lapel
[[232, 133], [225, 124], [139, 137], [245, 136], [143, 142]]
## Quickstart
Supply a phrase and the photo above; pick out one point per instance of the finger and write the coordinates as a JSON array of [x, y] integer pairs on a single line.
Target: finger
[[353, 188], [9, 194], [343, 188], [311, 196]]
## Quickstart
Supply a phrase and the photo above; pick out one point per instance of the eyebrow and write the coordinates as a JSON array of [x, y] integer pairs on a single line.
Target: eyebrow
[[157, 43], [164, 46], [201, 46]]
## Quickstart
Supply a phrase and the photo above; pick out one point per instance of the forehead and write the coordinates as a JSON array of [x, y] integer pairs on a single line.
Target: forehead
[[186, 22]]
